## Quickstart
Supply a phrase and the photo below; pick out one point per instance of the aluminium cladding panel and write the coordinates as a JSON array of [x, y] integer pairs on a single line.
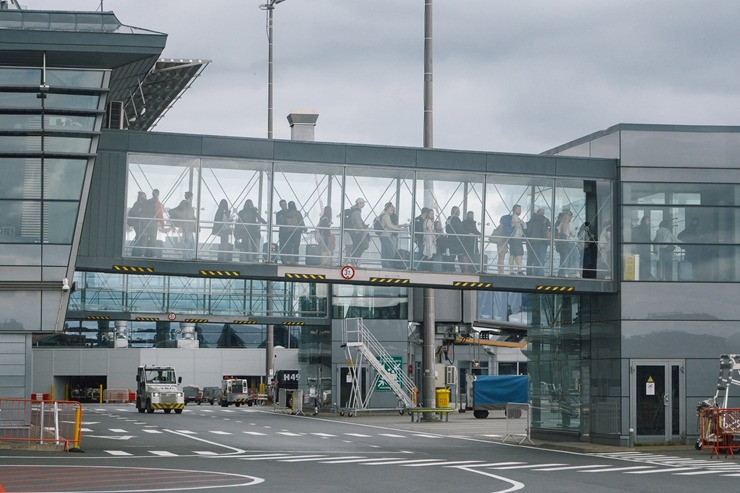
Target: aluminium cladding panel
[[438, 159], [15, 366], [102, 232]]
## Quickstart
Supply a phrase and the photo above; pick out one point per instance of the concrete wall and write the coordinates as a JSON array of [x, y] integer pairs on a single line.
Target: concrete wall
[[202, 367]]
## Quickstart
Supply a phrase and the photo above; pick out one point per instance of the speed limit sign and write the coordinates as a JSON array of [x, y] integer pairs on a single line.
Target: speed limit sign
[[348, 272], [171, 316]]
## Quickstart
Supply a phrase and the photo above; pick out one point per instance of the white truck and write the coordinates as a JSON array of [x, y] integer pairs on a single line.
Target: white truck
[[235, 390], [156, 388]]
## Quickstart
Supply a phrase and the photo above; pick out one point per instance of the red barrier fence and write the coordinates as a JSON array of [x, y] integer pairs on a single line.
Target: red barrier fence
[[119, 395], [720, 429], [42, 422]]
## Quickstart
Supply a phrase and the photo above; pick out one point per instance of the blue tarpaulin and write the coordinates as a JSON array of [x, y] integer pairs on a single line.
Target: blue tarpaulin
[[500, 389]]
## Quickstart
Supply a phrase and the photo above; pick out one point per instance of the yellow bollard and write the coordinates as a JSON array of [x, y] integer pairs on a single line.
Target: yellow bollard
[[78, 428], [100, 394]]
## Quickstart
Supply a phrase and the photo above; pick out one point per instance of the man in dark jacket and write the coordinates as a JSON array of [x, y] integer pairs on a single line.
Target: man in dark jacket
[[538, 241]]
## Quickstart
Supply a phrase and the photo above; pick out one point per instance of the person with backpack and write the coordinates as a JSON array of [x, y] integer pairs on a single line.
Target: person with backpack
[[294, 227], [222, 228], [137, 220], [358, 232], [419, 229], [539, 233], [184, 219], [455, 232], [513, 230], [387, 231]]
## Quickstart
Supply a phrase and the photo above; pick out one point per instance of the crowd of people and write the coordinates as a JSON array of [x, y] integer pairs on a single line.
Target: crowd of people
[[426, 243]]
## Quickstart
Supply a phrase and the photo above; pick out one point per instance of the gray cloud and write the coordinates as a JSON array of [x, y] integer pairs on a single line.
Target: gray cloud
[[509, 77]]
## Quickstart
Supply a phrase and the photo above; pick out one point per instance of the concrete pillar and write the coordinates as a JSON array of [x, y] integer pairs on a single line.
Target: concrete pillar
[[120, 338], [187, 336]]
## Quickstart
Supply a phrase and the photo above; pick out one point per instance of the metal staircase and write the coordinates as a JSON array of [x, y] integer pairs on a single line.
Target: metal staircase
[[363, 348]]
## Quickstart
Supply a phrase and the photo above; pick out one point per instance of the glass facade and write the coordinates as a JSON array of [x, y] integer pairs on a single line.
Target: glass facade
[[46, 137], [100, 292], [247, 211], [681, 232]]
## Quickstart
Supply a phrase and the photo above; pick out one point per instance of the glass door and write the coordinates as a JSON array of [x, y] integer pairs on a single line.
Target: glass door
[[657, 401]]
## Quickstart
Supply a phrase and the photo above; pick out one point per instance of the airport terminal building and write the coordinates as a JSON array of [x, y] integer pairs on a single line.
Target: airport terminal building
[[606, 269]]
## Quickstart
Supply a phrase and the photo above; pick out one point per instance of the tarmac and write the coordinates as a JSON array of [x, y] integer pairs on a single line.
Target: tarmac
[[497, 428]]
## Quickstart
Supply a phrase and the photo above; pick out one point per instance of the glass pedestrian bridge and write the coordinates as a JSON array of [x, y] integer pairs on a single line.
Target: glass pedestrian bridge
[[339, 213]]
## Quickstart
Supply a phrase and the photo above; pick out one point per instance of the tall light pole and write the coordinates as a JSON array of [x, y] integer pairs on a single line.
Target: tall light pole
[[427, 355], [270, 335], [269, 7]]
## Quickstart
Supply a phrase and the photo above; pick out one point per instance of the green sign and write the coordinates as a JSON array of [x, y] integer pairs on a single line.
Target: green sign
[[393, 366]]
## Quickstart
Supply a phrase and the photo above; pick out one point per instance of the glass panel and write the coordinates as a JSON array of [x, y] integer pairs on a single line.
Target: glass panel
[[63, 178], [19, 100], [233, 203], [75, 78], [72, 101], [20, 122], [518, 222], [555, 353], [456, 203], [19, 221], [21, 178], [675, 402], [20, 77], [62, 217], [20, 143], [370, 302], [371, 194], [681, 194], [691, 243], [69, 123], [67, 144], [150, 229], [650, 392]]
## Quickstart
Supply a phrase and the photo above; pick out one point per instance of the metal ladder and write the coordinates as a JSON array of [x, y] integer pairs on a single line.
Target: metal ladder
[[728, 363], [361, 345]]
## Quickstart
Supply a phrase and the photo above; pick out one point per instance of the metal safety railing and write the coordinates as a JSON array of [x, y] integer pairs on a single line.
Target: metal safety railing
[[720, 429], [518, 422], [41, 422]]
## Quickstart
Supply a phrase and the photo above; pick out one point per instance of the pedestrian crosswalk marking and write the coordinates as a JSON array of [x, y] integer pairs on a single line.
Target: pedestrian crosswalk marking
[[253, 433], [117, 452], [618, 469], [117, 430], [152, 431], [571, 468], [217, 432], [446, 464], [358, 459], [265, 458], [523, 466], [162, 453], [328, 435], [359, 435], [705, 471], [668, 469], [497, 464], [303, 458], [405, 462]]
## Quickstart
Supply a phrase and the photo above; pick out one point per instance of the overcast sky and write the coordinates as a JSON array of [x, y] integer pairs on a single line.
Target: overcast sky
[[518, 76]]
